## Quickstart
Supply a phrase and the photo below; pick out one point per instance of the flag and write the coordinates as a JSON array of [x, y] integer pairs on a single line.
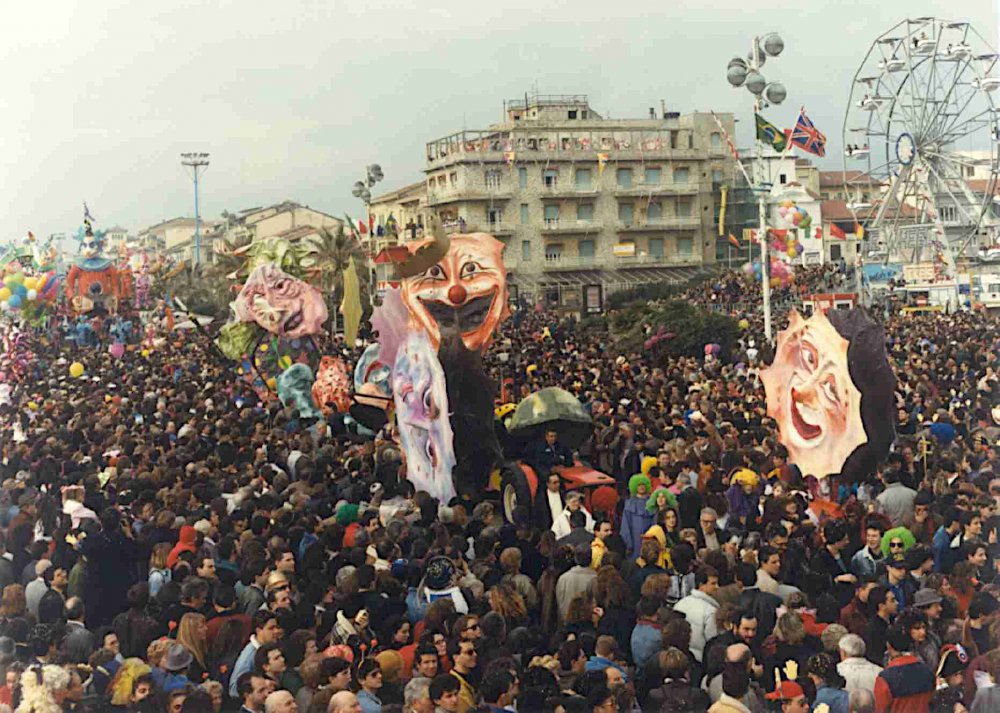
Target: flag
[[859, 231], [770, 134], [371, 224], [350, 303], [722, 213], [391, 225], [602, 158], [725, 135], [807, 137], [509, 157], [733, 241], [837, 232], [362, 228]]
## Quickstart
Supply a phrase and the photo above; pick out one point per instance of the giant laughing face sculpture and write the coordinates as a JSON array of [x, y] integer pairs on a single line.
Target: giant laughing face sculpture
[[830, 390], [466, 291], [280, 303]]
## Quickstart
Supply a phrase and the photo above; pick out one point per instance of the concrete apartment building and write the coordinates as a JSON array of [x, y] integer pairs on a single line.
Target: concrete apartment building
[[585, 205]]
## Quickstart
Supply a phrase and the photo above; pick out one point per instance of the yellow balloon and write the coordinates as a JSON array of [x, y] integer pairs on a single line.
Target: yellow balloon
[[145, 352], [32, 405], [272, 383], [4, 294], [744, 324], [263, 347], [30, 283], [76, 370]]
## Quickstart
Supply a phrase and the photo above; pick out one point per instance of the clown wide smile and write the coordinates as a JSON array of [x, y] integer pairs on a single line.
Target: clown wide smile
[[294, 321], [464, 317]]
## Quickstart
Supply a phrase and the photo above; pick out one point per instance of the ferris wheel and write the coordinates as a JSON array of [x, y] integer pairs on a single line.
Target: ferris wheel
[[921, 159]]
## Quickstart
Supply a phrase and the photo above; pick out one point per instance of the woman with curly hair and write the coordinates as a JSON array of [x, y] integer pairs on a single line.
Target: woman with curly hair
[[822, 671], [43, 689], [13, 603], [505, 600]]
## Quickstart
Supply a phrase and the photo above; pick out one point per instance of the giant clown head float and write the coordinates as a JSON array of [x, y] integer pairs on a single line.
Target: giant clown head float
[[465, 291], [830, 389]]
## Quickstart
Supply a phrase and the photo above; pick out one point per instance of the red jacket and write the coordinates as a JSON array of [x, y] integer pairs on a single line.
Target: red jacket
[[906, 685]]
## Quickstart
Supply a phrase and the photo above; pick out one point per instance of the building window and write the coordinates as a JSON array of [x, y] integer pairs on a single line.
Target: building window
[[684, 208], [782, 179], [682, 174], [524, 214], [525, 250], [653, 176], [685, 246], [584, 178], [585, 211], [690, 141], [494, 216], [624, 177], [716, 175], [493, 177], [716, 140], [551, 215], [571, 114], [656, 247], [949, 214], [553, 251], [625, 213], [586, 248], [550, 178], [673, 139], [654, 210], [583, 114], [453, 178], [522, 177]]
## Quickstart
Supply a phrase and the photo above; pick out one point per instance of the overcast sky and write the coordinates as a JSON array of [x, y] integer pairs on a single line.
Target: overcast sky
[[293, 98]]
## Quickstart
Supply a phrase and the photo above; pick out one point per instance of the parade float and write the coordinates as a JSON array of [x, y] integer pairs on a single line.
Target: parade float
[[95, 283]]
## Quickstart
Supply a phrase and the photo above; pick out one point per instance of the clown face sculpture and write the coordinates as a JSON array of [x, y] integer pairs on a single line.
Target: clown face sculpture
[[422, 417], [280, 303], [295, 389], [332, 390], [372, 379], [830, 390], [465, 292]]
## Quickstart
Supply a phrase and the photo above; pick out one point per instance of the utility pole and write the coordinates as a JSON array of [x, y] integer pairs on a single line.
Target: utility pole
[[197, 162]]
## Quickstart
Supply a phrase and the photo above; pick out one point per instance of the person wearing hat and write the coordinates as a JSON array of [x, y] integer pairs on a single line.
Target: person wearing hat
[[897, 579], [791, 697], [952, 664], [176, 663]]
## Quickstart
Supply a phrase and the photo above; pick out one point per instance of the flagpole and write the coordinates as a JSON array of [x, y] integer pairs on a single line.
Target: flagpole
[[761, 204]]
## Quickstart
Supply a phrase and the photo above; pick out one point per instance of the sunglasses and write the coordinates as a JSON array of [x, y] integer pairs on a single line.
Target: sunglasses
[[896, 545]]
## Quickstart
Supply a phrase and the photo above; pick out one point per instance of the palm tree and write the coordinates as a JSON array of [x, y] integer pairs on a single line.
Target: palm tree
[[327, 254]]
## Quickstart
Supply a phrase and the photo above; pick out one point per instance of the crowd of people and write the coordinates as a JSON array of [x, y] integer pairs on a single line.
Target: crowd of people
[[173, 542]]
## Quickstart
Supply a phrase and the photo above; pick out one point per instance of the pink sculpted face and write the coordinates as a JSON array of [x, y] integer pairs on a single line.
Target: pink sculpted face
[[280, 303], [812, 397]]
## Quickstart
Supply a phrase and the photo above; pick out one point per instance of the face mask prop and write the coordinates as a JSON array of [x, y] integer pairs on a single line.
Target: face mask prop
[[465, 292], [332, 390], [425, 433], [830, 389], [280, 303], [295, 389]]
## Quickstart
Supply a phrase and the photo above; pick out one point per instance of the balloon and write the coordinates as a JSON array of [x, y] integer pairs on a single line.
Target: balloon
[[796, 219], [775, 282], [32, 295], [18, 278], [5, 294], [744, 324], [14, 302], [76, 370], [20, 290], [264, 347], [787, 203], [284, 362], [32, 405], [117, 350], [145, 352], [715, 349], [30, 283], [708, 349], [792, 252], [272, 383]]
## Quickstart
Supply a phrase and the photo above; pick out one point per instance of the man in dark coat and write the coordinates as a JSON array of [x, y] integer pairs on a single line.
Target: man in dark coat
[[111, 556]]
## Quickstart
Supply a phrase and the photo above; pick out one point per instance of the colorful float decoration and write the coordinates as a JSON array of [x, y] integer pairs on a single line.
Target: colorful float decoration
[[95, 283]]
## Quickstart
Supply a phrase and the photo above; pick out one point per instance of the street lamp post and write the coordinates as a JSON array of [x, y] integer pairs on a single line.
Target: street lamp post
[[746, 73], [197, 162], [363, 189]]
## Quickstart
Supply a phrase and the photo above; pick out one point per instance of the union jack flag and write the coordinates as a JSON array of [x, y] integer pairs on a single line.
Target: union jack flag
[[807, 137]]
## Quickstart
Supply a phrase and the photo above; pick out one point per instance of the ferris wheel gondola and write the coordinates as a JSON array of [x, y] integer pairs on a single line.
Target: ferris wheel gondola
[[921, 106]]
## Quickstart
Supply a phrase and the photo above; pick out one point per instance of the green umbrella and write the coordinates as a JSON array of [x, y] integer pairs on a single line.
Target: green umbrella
[[551, 409]]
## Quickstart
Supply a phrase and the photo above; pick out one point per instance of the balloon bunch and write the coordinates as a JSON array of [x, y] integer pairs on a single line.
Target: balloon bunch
[[19, 289], [712, 350], [794, 215], [787, 242], [779, 273]]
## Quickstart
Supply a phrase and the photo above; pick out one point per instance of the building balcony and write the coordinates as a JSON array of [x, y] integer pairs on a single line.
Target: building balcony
[[498, 228], [556, 154], [570, 262], [689, 188], [557, 225], [568, 190], [620, 261], [659, 224], [456, 196]]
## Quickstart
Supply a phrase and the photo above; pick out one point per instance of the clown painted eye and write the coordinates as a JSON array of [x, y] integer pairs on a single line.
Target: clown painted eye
[[436, 272], [829, 390], [469, 269], [808, 357], [428, 403]]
